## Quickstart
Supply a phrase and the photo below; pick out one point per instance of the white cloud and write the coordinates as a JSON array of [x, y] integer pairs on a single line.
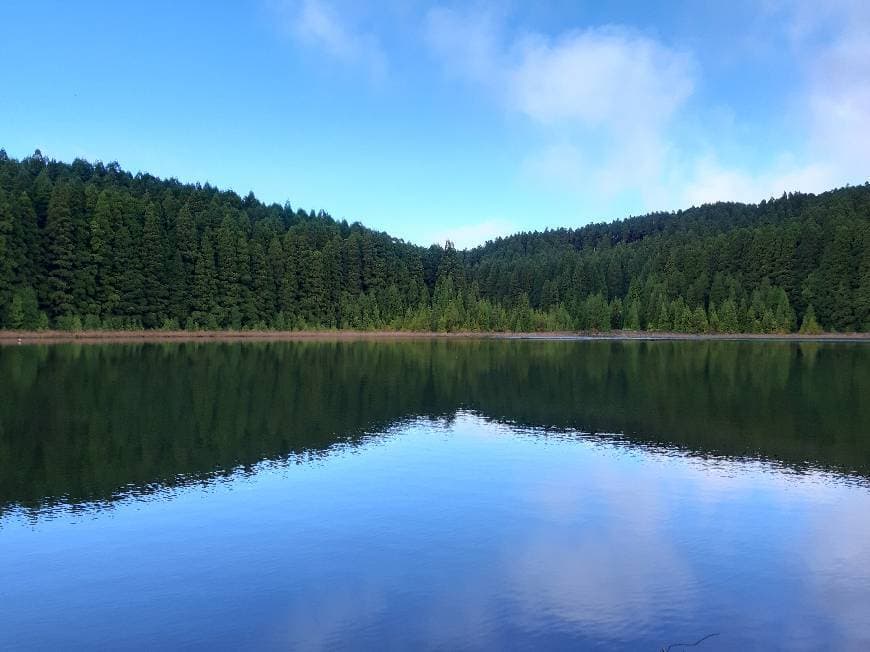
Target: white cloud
[[468, 44], [830, 46], [839, 99], [709, 181], [471, 235], [317, 24], [559, 164], [607, 77], [604, 98], [609, 96], [611, 103]]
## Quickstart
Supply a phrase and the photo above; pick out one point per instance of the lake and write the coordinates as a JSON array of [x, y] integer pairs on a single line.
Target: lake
[[435, 494]]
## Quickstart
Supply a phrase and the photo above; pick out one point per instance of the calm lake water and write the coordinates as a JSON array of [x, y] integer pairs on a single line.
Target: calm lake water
[[435, 494]]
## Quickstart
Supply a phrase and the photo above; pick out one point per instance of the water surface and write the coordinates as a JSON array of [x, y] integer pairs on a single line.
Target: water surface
[[435, 494]]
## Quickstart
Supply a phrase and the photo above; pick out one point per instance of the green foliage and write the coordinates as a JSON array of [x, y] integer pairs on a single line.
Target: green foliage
[[69, 323], [729, 322], [15, 314], [809, 325], [632, 316], [699, 322], [124, 251]]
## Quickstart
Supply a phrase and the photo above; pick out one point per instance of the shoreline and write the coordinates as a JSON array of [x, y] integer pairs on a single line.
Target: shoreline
[[125, 337]]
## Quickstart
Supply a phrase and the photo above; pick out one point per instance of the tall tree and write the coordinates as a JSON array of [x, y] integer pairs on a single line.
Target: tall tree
[[153, 268]]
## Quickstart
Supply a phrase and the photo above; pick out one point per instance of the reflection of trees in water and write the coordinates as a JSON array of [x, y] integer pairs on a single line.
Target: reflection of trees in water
[[85, 422]]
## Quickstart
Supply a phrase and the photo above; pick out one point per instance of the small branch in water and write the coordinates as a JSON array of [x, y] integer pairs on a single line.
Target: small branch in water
[[698, 642]]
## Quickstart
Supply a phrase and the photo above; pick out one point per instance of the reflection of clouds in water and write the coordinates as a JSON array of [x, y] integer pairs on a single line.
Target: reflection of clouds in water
[[617, 563], [613, 563], [322, 619], [597, 541], [601, 583], [837, 557]]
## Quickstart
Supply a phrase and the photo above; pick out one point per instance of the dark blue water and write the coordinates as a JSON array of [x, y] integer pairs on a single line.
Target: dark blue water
[[434, 497]]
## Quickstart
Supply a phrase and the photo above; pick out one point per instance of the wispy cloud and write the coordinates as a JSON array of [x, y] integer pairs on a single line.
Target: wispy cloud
[[611, 105], [318, 25], [830, 47], [603, 98], [471, 235], [606, 77]]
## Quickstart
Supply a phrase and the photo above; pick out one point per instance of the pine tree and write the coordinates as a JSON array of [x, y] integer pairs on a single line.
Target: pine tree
[[312, 301], [82, 278], [177, 293], [700, 324], [228, 297], [275, 261], [127, 270], [809, 325], [15, 314], [332, 280], [155, 292], [186, 245], [663, 321], [24, 243], [248, 311], [102, 225], [289, 298], [7, 271], [783, 315], [204, 284], [352, 255], [714, 322], [263, 290], [682, 316], [835, 302], [60, 248], [632, 316], [862, 292], [43, 189], [728, 317]]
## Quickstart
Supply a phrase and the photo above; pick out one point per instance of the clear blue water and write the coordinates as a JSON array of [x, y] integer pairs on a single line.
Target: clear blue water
[[414, 511]]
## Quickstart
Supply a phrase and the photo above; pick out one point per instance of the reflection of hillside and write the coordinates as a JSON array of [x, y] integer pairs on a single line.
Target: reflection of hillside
[[86, 422]]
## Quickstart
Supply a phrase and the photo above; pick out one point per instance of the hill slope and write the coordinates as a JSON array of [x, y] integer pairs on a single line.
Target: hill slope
[[90, 245]]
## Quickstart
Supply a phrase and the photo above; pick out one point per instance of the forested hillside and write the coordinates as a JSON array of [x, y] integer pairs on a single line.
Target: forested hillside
[[91, 246]]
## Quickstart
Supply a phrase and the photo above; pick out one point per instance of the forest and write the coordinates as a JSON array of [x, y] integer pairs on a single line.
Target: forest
[[91, 246]]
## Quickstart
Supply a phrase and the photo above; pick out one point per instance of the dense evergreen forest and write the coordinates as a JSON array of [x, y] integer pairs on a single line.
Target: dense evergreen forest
[[92, 246]]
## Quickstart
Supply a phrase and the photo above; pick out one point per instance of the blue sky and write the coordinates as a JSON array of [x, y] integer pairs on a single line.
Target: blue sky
[[450, 120]]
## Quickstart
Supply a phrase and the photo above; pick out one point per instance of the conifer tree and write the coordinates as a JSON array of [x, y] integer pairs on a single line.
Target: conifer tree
[[263, 290], [6, 259], [127, 270], [728, 317], [104, 222], [186, 244], [632, 316], [289, 299], [809, 325], [60, 249], [228, 297], [155, 292], [204, 284]]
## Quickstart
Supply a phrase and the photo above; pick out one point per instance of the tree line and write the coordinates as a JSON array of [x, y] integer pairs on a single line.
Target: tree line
[[89, 246]]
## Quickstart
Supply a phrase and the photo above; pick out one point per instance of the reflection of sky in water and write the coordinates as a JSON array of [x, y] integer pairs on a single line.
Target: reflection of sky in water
[[459, 535]]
